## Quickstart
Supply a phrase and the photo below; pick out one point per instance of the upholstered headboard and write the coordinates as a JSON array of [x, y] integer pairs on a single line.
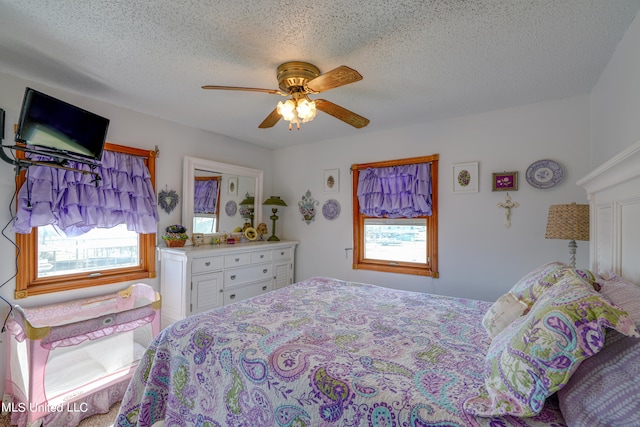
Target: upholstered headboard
[[613, 190]]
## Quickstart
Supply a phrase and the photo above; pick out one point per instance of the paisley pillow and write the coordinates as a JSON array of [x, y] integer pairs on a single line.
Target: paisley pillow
[[502, 313], [523, 288], [535, 355], [584, 276]]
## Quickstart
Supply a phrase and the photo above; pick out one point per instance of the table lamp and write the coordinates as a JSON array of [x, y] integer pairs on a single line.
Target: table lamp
[[568, 222], [274, 201], [247, 204]]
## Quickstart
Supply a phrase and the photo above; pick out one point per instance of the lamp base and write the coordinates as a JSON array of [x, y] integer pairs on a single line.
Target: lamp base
[[273, 218], [572, 253]]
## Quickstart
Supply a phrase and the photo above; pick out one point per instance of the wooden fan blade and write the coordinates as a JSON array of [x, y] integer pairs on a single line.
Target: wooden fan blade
[[244, 89], [340, 76], [271, 119], [341, 113]]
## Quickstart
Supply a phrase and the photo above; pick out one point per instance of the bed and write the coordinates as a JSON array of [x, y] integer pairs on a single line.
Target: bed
[[327, 352]]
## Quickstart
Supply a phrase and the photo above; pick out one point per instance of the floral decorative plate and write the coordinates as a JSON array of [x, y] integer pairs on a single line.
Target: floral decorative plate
[[331, 209], [230, 208], [544, 174]]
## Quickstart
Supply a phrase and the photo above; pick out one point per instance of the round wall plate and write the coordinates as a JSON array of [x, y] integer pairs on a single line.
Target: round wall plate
[[230, 208], [331, 209], [544, 174]]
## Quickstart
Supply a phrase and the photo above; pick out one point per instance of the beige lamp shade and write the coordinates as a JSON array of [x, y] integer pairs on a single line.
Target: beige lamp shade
[[568, 222]]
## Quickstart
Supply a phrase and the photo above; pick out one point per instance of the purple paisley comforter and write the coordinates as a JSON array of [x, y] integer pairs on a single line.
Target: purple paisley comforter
[[322, 352]]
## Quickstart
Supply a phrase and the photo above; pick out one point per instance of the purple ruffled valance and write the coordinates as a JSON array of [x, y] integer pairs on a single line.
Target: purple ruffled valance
[[73, 203], [206, 196], [395, 191]]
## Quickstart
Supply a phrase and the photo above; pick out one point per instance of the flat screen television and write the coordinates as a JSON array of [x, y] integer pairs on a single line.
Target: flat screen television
[[56, 126]]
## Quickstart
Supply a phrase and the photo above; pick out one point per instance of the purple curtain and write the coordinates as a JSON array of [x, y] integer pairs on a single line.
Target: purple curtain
[[205, 196], [395, 191], [73, 203]]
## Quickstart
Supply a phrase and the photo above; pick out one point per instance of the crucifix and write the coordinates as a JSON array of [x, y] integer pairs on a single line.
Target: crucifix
[[507, 205]]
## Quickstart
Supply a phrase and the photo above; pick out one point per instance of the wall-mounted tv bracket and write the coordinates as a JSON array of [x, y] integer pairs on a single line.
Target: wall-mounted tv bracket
[[58, 160]]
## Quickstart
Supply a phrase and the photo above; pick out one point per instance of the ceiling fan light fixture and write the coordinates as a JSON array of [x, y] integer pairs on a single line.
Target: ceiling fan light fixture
[[298, 79], [287, 109], [306, 110], [297, 110]]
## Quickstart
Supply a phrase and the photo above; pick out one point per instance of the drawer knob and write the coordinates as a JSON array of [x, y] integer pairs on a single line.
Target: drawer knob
[[208, 263], [265, 271], [237, 259], [232, 296], [281, 253], [264, 288], [262, 256], [233, 277]]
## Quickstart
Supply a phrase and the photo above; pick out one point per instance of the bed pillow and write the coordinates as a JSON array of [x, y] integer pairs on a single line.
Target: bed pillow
[[584, 276], [529, 288], [502, 313], [522, 289], [624, 294], [535, 355], [604, 390]]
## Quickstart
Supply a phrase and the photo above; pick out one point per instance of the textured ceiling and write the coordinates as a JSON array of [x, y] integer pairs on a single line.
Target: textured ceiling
[[421, 60]]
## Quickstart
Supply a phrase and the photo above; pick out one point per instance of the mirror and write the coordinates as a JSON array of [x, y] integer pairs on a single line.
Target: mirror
[[234, 183]]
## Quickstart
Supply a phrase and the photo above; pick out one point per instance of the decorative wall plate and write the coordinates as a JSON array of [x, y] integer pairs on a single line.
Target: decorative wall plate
[[331, 209], [230, 208], [544, 174]]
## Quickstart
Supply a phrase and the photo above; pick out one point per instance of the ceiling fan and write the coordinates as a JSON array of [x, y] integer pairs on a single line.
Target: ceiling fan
[[299, 79]]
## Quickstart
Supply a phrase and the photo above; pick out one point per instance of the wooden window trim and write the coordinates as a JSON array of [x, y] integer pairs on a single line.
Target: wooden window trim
[[27, 282], [362, 263]]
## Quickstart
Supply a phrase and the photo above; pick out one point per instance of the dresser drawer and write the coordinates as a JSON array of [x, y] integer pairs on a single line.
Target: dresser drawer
[[245, 275], [204, 265], [284, 253], [261, 256], [236, 260], [246, 291]]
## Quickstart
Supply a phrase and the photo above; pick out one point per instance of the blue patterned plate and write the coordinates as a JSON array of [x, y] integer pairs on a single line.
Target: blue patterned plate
[[230, 208], [331, 209], [544, 174]]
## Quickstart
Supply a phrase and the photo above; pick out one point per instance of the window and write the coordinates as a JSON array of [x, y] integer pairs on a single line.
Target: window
[[48, 262], [206, 204], [395, 237], [205, 223], [97, 250]]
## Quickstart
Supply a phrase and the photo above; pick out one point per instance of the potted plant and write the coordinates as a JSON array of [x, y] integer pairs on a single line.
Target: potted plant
[[175, 236]]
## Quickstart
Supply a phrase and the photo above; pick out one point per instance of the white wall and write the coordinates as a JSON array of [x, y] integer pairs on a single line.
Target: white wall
[[479, 257], [615, 100]]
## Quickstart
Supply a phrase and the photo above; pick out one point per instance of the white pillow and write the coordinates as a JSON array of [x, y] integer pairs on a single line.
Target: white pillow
[[502, 313]]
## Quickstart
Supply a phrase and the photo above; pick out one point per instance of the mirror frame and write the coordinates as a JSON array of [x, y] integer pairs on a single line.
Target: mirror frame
[[191, 164]]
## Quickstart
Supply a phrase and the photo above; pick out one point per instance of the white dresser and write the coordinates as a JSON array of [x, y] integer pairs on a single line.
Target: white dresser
[[195, 279]]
